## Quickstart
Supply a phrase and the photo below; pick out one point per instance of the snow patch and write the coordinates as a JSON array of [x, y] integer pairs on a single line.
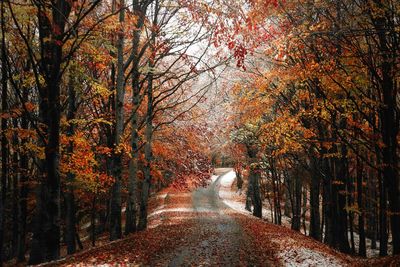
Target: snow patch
[[163, 196], [159, 211], [214, 178], [182, 210], [227, 179], [303, 257], [236, 205], [228, 196]]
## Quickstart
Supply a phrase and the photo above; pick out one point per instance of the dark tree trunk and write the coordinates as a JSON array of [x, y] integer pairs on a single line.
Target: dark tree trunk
[[296, 210], [351, 231], [146, 184], [288, 198], [46, 233], [350, 201], [304, 211], [116, 201], [249, 193], [131, 206], [389, 119], [289, 193], [362, 251], [23, 165], [239, 178], [314, 204], [70, 216], [371, 209], [383, 232], [328, 204], [390, 159], [339, 193], [148, 153], [115, 206], [93, 221], [4, 142], [15, 190], [278, 198], [254, 179]]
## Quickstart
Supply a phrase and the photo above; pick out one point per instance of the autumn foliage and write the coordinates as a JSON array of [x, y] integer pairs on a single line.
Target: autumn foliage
[[106, 103]]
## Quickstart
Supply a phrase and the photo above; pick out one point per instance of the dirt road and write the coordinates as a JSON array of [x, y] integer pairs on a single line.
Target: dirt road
[[218, 240], [198, 229]]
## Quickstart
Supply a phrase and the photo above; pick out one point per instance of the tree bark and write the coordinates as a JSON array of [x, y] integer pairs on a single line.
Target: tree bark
[[362, 251], [296, 218], [131, 209], [93, 221], [249, 193], [146, 184], [389, 119], [69, 196], [314, 203], [383, 231], [239, 178], [23, 194], [4, 142], [254, 179], [115, 215], [148, 154], [15, 190], [46, 234], [340, 213]]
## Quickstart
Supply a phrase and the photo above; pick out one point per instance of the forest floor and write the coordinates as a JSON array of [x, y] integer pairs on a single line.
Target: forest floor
[[200, 228]]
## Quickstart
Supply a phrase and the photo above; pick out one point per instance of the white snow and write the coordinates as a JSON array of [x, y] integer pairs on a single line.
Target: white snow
[[371, 253], [304, 257], [227, 179], [181, 210], [236, 205], [163, 196], [230, 198], [214, 178], [159, 211]]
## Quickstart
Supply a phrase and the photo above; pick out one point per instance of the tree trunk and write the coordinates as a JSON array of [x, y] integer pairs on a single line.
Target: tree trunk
[[340, 214], [389, 120], [314, 204], [46, 234], [249, 193], [23, 165], [371, 209], [362, 251], [239, 178], [148, 155], [303, 213], [115, 215], [339, 194], [93, 221], [296, 218], [288, 202], [70, 215], [383, 232], [4, 142], [15, 190], [328, 205], [131, 209], [254, 179], [350, 203]]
